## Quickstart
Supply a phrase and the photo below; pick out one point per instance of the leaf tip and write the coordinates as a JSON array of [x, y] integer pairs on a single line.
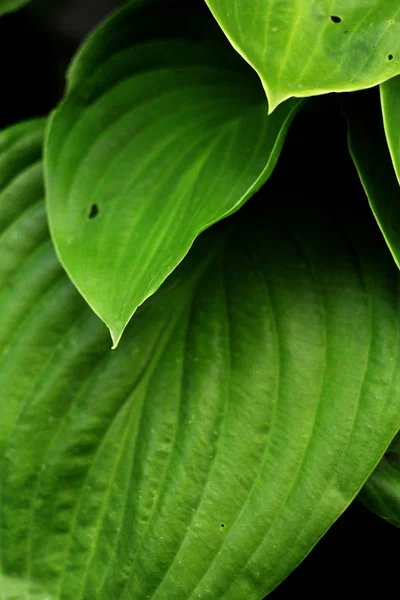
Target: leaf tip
[[116, 335], [273, 102], [274, 98]]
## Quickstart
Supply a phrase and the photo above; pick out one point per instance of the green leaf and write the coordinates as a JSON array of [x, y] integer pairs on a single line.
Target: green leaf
[[381, 493], [390, 99], [371, 157], [7, 6], [249, 400], [142, 21], [306, 47], [153, 144]]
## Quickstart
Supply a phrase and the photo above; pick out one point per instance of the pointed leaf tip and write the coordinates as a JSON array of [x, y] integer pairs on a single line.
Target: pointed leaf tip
[[300, 49], [116, 336]]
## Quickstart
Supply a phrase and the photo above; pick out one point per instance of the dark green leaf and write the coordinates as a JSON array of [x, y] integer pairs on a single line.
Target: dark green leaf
[[153, 144], [307, 47], [249, 400], [371, 157], [7, 6], [390, 98], [381, 493]]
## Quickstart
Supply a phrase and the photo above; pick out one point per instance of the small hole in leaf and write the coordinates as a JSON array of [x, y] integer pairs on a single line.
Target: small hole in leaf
[[335, 19], [94, 211], [390, 57], [222, 525]]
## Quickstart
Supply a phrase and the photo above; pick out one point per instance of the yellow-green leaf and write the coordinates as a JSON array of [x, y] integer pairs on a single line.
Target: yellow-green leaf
[[307, 47]]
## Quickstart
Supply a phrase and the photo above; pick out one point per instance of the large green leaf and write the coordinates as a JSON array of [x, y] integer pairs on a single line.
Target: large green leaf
[[7, 6], [381, 493], [307, 47], [248, 401], [153, 144], [371, 157]]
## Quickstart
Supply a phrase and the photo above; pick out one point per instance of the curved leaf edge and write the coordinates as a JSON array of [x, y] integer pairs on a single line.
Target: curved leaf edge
[[116, 334], [12, 6], [276, 98], [72, 91], [337, 516]]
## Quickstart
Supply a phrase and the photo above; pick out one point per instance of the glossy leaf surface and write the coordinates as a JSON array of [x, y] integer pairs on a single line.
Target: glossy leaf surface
[[381, 493], [249, 400], [154, 143], [307, 47]]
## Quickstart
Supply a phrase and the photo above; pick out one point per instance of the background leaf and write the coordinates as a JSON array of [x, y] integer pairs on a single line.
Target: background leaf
[[142, 21], [381, 492], [390, 98], [248, 402], [159, 142], [303, 47], [371, 157], [7, 6]]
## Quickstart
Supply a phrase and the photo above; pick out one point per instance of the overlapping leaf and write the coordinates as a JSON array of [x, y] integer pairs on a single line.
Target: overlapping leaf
[[390, 99], [306, 47], [381, 493], [7, 6], [247, 403], [371, 157], [154, 142]]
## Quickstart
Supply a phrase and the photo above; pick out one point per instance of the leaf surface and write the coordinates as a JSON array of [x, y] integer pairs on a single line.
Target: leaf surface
[[249, 400], [154, 143], [381, 492], [369, 150], [7, 6], [390, 100], [308, 47]]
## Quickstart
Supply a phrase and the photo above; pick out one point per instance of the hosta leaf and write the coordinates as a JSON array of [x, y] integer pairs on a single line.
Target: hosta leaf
[[7, 6], [154, 143], [371, 157], [142, 21], [247, 403], [381, 493], [307, 47], [390, 98]]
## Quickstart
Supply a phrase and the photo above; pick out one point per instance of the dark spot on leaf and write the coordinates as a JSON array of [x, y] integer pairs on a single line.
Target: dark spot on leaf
[[335, 19], [94, 211], [222, 525], [390, 57]]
